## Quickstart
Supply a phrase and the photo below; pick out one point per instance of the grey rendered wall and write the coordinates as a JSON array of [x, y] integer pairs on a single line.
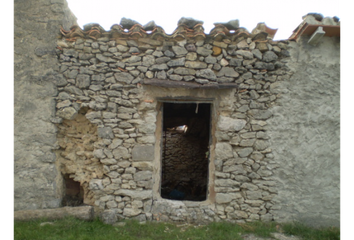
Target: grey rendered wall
[[36, 28], [305, 135]]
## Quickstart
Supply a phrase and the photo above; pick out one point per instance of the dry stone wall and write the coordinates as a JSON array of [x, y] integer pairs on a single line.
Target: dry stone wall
[[108, 77]]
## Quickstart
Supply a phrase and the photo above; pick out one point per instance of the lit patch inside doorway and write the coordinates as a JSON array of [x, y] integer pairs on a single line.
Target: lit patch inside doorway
[[185, 151]]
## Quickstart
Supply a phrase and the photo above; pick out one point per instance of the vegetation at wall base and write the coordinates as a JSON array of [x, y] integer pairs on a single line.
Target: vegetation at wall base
[[75, 229]]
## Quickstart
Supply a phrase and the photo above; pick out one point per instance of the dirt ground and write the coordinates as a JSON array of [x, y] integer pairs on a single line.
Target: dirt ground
[[277, 236]]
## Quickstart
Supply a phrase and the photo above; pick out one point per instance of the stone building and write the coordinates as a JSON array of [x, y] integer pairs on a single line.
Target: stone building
[[191, 126]]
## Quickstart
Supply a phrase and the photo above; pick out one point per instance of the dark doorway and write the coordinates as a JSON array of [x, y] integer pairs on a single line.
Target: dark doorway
[[74, 193], [185, 151]]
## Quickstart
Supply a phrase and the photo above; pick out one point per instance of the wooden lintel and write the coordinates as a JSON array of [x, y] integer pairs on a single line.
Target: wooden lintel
[[190, 85]]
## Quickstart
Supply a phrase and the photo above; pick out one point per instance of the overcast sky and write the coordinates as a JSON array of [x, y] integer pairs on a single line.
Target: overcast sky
[[283, 15]]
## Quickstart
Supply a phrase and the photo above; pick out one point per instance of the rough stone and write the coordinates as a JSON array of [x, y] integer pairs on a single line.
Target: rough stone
[[121, 153], [175, 77], [162, 60], [228, 72], [242, 45], [237, 62], [230, 124], [206, 73], [189, 22], [105, 132], [244, 152], [261, 145], [67, 113], [203, 51], [105, 59], [261, 114], [176, 62], [241, 214], [137, 195], [216, 50], [123, 77], [195, 64], [245, 54], [184, 71], [223, 151], [179, 51], [83, 81], [191, 56], [191, 47], [221, 198], [257, 54], [269, 56], [159, 67], [210, 59]]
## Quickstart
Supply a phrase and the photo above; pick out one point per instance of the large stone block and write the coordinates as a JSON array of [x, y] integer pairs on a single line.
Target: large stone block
[[67, 113], [225, 197], [143, 153], [230, 124], [143, 176], [137, 195], [223, 151]]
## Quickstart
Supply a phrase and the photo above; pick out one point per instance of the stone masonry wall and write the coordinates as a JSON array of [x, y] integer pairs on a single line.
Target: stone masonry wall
[[107, 76]]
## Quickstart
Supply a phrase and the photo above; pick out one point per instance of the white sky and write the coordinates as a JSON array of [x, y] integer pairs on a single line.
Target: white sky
[[284, 15]]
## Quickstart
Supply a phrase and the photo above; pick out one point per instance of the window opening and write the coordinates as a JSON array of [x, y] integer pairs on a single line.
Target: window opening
[[185, 151]]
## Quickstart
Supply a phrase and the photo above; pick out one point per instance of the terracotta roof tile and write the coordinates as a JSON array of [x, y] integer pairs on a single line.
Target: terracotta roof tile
[[187, 28]]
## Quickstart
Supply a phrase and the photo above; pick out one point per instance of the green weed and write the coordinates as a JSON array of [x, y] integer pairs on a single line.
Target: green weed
[[308, 233], [75, 229]]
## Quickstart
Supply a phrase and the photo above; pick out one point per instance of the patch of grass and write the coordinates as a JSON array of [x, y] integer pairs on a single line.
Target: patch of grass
[[75, 229], [69, 228], [308, 233], [262, 229]]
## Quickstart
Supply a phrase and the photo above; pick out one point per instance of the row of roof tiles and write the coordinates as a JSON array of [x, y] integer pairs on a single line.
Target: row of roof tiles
[[190, 28], [187, 28]]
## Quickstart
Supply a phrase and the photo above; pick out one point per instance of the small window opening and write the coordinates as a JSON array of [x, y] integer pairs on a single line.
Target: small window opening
[[185, 151], [74, 193]]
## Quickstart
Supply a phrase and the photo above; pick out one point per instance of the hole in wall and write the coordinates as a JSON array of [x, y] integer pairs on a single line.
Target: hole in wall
[[76, 160], [185, 151], [74, 193]]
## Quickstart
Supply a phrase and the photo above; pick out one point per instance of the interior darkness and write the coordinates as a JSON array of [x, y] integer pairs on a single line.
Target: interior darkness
[[74, 193], [185, 151]]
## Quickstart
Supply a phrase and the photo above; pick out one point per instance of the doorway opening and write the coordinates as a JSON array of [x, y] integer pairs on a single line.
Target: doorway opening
[[185, 150]]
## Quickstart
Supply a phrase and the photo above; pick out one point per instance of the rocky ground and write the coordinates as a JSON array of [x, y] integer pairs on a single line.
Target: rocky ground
[[279, 236]]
